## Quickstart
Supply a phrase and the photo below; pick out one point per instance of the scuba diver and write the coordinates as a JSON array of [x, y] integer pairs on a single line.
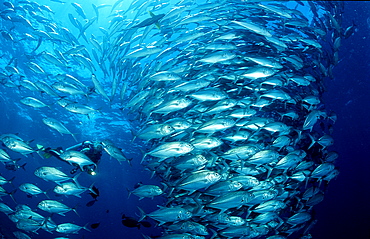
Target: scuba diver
[[93, 150]]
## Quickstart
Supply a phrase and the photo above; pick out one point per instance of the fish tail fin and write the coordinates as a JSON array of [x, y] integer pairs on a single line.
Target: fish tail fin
[[165, 186], [11, 181], [46, 194], [23, 166], [129, 193], [142, 214], [74, 209], [85, 227], [313, 141], [11, 194], [199, 206], [248, 213], [299, 132], [214, 158], [91, 188], [44, 222], [269, 170], [75, 180]]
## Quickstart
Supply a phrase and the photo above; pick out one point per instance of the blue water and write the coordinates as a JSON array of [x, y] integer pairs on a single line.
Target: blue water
[[345, 212]]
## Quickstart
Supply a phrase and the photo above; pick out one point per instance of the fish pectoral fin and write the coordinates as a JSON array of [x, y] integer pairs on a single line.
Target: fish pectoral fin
[[151, 14]]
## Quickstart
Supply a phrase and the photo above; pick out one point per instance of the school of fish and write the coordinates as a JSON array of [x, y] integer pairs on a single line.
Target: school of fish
[[226, 97]]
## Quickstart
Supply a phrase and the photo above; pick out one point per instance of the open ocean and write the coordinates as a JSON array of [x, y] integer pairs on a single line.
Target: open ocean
[[343, 214]]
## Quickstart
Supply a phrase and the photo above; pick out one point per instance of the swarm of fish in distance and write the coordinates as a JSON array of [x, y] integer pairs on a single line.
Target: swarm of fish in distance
[[231, 116]]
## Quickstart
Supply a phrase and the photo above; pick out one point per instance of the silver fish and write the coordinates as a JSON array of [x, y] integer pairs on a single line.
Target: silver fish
[[146, 191], [18, 146], [75, 157], [199, 179], [69, 228], [52, 174], [33, 102], [53, 206], [171, 149], [31, 189], [58, 126], [164, 214]]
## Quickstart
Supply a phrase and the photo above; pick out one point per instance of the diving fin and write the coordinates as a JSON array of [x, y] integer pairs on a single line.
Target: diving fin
[[47, 155]]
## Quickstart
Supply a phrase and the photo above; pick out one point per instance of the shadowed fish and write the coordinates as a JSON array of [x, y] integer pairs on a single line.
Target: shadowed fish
[[149, 21], [95, 225], [132, 222]]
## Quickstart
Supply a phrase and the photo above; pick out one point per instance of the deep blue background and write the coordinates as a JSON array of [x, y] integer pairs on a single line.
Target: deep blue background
[[345, 212]]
